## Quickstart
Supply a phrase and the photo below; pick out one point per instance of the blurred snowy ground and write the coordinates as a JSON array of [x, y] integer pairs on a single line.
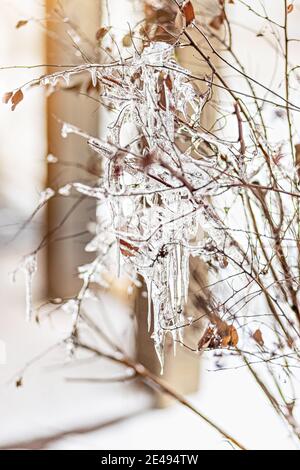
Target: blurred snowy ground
[[49, 412]]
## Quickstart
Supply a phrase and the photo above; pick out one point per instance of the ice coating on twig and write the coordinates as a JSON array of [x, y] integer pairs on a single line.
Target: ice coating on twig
[[29, 267]]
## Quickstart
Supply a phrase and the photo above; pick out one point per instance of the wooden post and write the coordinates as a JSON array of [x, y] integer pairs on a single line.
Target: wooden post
[[62, 47]]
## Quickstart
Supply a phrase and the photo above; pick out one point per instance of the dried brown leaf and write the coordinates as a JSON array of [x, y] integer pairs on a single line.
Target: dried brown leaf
[[290, 8], [234, 337], [16, 99], [206, 338], [21, 23], [101, 33], [7, 96], [168, 82], [228, 334], [258, 338], [188, 12]]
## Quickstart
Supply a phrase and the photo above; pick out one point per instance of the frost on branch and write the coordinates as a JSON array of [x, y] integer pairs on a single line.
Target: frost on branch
[[151, 188], [159, 169]]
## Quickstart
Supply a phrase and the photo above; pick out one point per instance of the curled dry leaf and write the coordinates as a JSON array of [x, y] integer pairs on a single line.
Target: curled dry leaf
[[16, 98], [206, 339], [21, 23], [230, 337], [7, 96], [188, 12], [290, 8], [220, 335], [258, 338], [101, 33]]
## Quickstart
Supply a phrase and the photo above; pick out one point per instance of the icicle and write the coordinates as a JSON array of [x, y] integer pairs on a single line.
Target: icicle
[[66, 77], [118, 258], [70, 349], [93, 72], [159, 348], [29, 267], [149, 300], [178, 277], [148, 210]]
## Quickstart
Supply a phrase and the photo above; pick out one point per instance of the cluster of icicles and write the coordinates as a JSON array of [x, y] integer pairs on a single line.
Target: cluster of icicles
[[150, 216]]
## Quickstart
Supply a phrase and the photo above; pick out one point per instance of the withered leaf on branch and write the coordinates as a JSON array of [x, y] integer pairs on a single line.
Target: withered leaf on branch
[[258, 338], [188, 12], [168, 82], [101, 33], [16, 99], [21, 23], [290, 8], [207, 338], [230, 337], [7, 96], [220, 335]]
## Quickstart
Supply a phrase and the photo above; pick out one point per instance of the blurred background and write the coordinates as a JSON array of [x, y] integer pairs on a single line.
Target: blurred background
[[44, 408]]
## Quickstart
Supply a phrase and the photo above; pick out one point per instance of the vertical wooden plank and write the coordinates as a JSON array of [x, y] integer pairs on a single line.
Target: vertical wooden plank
[[63, 48]]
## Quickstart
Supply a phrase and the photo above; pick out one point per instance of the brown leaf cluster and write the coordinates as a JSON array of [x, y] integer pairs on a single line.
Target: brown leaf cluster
[[219, 335]]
